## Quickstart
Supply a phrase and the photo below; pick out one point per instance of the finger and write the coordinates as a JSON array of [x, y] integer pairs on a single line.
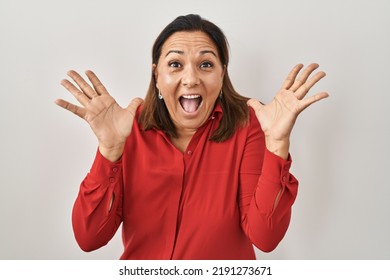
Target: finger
[[97, 84], [291, 76], [79, 111], [312, 99], [80, 96], [304, 89], [134, 104], [84, 86], [304, 76]]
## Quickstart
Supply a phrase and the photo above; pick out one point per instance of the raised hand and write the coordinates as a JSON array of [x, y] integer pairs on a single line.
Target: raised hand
[[278, 117], [111, 123]]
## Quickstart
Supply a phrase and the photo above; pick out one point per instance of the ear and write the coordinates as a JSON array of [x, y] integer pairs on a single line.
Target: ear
[[155, 73]]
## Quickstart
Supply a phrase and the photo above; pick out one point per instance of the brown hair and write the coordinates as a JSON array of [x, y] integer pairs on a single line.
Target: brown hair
[[155, 114]]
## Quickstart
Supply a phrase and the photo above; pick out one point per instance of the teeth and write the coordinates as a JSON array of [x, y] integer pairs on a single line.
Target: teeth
[[192, 96]]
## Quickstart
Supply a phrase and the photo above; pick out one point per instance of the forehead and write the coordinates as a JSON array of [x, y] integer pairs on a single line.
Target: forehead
[[194, 40]]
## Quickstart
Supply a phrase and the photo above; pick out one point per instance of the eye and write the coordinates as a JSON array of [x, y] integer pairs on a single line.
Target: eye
[[174, 64], [206, 64]]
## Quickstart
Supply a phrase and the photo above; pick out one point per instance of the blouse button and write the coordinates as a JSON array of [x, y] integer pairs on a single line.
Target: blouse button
[[189, 152], [284, 178], [115, 169], [112, 180]]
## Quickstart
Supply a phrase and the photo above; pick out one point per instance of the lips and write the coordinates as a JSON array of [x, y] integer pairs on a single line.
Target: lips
[[190, 103]]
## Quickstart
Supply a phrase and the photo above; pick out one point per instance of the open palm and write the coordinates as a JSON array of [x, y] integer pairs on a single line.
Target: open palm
[[278, 117], [111, 123]]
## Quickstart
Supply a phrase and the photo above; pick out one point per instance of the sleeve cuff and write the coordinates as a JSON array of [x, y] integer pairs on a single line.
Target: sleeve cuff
[[275, 168], [103, 168], [274, 181]]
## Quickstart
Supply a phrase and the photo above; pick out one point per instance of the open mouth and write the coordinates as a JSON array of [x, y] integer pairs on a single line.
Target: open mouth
[[190, 103]]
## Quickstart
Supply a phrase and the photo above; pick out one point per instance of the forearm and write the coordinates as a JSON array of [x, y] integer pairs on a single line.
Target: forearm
[[268, 214], [97, 209]]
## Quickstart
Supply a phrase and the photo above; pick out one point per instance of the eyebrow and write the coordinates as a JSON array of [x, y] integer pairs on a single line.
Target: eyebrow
[[201, 52]]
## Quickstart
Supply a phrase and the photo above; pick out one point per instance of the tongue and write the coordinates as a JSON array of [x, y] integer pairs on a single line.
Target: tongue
[[189, 105]]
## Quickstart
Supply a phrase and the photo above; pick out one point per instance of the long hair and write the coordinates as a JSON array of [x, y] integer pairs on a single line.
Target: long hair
[[155, 114]]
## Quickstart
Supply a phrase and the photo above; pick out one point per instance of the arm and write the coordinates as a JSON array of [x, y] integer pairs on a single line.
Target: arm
[[267, 217], [97, 210], [267, 192]]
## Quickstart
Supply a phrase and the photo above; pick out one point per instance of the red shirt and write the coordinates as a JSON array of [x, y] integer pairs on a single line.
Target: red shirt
[[211, 202]]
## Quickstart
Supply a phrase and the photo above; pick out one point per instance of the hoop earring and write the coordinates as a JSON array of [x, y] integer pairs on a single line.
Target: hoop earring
[[159, 95]]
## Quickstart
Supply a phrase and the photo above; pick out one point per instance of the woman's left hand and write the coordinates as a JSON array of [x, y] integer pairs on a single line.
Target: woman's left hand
[[278, 117]]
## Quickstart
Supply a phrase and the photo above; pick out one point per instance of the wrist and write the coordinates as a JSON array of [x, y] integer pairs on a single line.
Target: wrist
[[112, 154], [278, 147]]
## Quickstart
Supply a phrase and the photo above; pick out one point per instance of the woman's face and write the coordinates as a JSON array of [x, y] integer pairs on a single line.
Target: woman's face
[[189, 76]]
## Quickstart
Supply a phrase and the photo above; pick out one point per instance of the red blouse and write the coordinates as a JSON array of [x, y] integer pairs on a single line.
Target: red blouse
[[211, 202]]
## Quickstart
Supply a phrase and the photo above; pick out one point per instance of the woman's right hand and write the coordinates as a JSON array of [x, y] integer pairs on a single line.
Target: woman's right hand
[[111, 123]]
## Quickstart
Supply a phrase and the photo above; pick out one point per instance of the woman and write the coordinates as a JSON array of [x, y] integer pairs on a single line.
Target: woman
[[192, 172]]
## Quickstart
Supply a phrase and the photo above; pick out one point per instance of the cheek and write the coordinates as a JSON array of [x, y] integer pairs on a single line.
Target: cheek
[[167, 84], [214, 86], [166, 80]]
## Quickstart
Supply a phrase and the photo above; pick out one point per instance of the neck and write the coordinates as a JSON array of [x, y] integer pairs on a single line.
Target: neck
[[184, 137]]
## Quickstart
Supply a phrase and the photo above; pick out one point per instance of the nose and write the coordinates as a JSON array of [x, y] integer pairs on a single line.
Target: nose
[[190, 76]]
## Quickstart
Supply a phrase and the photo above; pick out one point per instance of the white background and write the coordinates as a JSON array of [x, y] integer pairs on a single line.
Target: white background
[[340, 146]]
